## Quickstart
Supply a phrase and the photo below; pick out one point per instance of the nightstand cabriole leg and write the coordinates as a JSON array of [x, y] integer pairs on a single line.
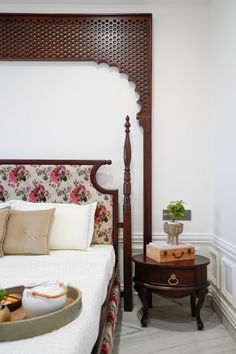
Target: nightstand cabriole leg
[[201, 297], [193, 304]]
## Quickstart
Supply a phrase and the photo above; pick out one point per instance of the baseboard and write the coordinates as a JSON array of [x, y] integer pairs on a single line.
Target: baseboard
[[221, 313]]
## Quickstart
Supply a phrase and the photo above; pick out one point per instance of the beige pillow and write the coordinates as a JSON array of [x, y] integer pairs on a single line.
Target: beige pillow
[[28, 232], [4, 213]]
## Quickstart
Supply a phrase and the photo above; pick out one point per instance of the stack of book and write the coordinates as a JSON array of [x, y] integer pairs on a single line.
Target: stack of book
[[164, 252]]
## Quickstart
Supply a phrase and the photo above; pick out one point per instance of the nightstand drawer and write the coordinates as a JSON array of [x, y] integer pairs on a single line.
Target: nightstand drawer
[[172, 277]]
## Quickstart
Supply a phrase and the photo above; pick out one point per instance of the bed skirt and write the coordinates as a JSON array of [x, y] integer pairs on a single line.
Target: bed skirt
[[111, 320]]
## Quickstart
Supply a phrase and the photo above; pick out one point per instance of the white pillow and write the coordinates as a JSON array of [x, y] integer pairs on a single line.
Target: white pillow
[[9, 203], [73, 224]]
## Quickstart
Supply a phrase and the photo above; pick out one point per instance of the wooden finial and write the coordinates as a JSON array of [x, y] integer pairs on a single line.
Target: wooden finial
[[127, 124]]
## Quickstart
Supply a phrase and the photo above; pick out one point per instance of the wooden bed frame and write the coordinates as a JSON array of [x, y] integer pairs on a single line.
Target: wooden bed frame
[[121, 40]]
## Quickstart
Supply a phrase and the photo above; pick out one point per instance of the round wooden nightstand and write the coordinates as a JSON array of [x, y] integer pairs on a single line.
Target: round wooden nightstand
[[171, 279]]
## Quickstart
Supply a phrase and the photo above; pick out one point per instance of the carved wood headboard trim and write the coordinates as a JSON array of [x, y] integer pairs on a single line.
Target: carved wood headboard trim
[[121, 40]]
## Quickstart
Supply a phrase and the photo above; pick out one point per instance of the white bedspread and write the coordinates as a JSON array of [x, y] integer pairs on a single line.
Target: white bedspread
[[90, 271]]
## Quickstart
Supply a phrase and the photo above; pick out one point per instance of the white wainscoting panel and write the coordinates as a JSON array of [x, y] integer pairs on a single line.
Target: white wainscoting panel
[[228, 280], [214, 268]]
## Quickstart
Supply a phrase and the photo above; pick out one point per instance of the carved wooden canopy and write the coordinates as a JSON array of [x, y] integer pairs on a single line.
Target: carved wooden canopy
[[124, 41]]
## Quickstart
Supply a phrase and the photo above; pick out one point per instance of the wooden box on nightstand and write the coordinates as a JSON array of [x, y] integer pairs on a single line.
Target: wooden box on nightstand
[[163, 252]]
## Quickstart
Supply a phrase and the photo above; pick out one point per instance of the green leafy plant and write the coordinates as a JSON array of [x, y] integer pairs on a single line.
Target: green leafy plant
[[176, 210], [3, 294]]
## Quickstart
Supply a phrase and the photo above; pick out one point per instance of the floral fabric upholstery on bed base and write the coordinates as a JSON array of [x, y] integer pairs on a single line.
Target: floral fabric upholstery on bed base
[[58, 184], [111, 318]]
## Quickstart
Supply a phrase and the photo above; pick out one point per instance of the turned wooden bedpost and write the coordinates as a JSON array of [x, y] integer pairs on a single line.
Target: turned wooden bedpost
[[128, 301]]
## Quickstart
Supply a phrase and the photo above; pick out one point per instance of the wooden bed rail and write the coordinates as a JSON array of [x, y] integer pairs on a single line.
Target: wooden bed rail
[[128, 303]]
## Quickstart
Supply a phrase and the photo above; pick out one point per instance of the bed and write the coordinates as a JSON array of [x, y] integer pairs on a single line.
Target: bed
[[120, 40], [94, 270]]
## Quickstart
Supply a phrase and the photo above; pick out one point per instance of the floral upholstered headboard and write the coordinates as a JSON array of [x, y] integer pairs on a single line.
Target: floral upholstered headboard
[[62, 182]]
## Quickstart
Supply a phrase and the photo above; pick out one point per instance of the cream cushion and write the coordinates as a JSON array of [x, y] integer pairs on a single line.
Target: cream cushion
[[4, 213], [73, 224], [28, 232]]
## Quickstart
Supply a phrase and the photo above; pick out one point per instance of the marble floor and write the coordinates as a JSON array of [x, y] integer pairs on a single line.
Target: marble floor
[[171, 330]]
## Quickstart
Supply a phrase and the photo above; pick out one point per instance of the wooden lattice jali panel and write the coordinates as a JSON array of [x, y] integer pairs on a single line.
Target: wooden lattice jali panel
[[122, 41]]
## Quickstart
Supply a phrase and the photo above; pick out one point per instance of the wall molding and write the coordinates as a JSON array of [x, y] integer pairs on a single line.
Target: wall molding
[[225, 246], [195, 238]]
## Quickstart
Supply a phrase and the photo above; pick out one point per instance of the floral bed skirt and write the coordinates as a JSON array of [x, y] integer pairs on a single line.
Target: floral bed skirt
[[110, 325]]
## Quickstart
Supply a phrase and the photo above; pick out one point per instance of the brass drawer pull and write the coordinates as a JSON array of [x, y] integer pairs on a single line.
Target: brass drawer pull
[[176, 255], [173, 280]]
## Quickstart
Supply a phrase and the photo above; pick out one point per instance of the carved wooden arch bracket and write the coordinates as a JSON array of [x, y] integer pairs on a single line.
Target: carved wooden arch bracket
[[117, 40]]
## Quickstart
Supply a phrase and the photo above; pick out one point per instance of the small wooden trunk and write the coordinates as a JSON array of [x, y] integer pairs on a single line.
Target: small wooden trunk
[[170, 253]]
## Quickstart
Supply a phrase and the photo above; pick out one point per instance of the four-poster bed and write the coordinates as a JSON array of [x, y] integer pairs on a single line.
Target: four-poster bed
[[121, 40]]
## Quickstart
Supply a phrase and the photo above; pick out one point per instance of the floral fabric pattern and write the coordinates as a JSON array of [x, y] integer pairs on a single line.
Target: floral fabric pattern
[[58, 184], [3, 194], [111, 318]]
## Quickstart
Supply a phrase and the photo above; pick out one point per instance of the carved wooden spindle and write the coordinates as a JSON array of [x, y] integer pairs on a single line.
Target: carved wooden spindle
[[128, 303]]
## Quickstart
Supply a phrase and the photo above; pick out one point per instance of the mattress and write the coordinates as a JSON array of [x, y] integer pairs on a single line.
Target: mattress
[[90, 271]]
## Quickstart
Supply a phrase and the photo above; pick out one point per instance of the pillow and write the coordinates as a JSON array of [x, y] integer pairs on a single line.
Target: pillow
[[4, 213], [9, 203], [28, 231], [73, 224]]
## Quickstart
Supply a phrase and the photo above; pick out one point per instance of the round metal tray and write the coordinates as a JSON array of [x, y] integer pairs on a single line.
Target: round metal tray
[[36, 326]]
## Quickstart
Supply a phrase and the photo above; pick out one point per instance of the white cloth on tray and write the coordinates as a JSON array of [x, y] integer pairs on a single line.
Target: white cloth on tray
[[90, 271]]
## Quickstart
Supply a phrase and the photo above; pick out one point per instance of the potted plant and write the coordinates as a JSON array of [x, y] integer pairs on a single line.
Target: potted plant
[[173, 228]]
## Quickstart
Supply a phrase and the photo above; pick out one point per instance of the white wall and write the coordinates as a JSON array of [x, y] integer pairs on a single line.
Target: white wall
[[181, 151], [70, 111], [223, 127], [181, 119], [224, 117]]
